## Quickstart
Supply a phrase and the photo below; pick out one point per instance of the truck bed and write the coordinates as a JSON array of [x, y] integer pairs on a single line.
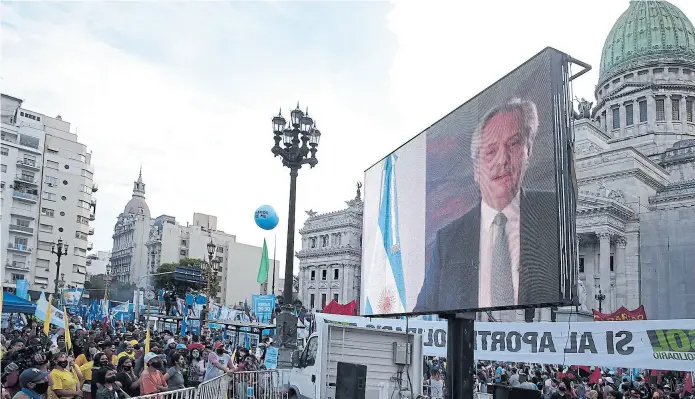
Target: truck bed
[[374, 349]]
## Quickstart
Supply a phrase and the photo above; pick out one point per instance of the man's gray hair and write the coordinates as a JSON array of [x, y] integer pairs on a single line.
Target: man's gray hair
[[529, 122]]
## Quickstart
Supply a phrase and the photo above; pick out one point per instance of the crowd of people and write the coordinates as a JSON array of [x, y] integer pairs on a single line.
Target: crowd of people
[[559, 382], [102, 362]]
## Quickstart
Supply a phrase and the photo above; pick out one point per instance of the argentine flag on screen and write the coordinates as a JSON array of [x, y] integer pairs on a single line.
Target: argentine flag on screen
[[385, 283]]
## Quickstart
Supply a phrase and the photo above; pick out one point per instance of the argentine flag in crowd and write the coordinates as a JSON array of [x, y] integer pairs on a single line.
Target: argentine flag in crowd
[[385, 291]]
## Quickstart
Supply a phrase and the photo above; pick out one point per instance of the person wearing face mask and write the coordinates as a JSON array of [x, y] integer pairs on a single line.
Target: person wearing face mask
[[126, 376], [86, 357], [64, 384], [152, 379], [34, 383], [196, 370], [219, 362], [100, 361], [108, 388], [175, 376]]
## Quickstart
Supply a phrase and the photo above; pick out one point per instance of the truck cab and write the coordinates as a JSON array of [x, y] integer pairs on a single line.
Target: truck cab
[[393, 361]]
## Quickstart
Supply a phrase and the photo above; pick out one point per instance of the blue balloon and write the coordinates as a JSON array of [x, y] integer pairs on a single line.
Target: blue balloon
[[266, 217]]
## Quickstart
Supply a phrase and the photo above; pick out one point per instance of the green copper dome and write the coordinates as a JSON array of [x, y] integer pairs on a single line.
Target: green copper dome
[[649, 30]]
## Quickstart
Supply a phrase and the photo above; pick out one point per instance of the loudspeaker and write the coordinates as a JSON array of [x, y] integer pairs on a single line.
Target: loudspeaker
[[507, 392], [351, 381]]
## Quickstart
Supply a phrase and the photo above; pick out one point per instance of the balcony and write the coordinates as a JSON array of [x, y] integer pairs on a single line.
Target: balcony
[[21, 229], [25, 179], [10, 138], [92, 256], [90, 231], [88, 262], [28, 164], [94, 202], [18, 266], [90, 246], [92, 217], [18, 247], [95, 188], [24, 196]]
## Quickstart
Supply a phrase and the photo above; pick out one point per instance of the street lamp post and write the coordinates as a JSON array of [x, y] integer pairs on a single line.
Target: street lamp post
[[600, 297], [210, 270], [59, 250], [107, 281], [296, 144]]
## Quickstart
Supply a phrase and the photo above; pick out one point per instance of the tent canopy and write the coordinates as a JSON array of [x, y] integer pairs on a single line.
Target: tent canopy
[[13, 304]]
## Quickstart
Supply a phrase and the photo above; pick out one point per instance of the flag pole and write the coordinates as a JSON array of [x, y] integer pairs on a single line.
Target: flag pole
[[275, 242]]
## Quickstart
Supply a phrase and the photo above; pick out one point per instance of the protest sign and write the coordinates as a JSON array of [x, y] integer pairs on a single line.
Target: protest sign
[[649, 344]]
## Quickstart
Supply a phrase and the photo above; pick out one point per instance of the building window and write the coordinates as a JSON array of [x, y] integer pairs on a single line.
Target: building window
[[676, 109], [689, 110], [616, 118], [323, 301], [3, 168], [22, 222], [46, 228], [335, 298], [643, 111], [612, 268], [220, 250], [660, 110], [80, 235], [50, 180], [313, 275], [52, 164], [335, 274], [312, 301], [604, 127], [16, 276], [312, 242], [324, 241], [324, 273], [48, 212], [49, 196], [581, 264], [629, 115], [4, 151]]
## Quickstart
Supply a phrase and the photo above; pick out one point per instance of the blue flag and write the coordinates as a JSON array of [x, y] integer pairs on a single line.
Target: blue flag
[[385, 292]]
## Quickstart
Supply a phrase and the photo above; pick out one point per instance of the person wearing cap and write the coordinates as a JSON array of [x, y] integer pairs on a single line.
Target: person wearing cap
[[219, 362], [34, 384], [152, 379]]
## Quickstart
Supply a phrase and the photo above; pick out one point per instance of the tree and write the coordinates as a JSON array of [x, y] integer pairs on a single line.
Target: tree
[[118, 291], [168, 282]]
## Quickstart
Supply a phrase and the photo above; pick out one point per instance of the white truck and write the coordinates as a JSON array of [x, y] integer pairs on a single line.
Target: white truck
[[393, 360]]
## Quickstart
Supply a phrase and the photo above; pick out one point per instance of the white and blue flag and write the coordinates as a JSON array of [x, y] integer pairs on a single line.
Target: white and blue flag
[[385, 292]]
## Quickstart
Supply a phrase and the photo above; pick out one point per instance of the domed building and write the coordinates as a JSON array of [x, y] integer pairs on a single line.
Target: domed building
[[635, 163], [128, 259]]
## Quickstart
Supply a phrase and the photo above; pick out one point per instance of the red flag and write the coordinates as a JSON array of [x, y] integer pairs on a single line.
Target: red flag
[[595, 376], [688, 385]]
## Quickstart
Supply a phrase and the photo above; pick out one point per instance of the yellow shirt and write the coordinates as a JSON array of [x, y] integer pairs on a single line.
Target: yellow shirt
[[86, 370], [114, 360], [81, 360], [63, 380]]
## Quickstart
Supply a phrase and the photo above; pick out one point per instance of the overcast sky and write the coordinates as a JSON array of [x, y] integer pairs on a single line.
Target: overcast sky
[[187, 89]]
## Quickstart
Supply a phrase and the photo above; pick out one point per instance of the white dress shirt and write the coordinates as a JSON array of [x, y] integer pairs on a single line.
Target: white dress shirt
[[512, 229]]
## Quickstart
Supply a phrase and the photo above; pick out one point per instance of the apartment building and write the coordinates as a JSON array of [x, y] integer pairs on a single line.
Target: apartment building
[[47, 190]]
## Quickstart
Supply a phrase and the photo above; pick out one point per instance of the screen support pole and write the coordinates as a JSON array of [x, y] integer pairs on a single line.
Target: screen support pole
[[460, 365]]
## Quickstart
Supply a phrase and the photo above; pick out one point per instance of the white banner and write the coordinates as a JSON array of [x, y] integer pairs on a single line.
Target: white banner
[[647, 344]]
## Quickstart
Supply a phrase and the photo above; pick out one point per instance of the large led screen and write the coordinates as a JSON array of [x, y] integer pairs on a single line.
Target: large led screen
[[470, 214]]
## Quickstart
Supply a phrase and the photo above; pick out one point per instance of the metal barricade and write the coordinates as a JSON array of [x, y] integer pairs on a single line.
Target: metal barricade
[[213, 388], [186, 393], [262, 384]]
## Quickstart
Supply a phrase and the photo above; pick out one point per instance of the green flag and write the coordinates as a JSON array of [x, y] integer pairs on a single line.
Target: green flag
[[263, 269]]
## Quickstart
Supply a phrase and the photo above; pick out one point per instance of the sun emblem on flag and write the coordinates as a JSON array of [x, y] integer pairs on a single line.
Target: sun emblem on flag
[[387, 301]]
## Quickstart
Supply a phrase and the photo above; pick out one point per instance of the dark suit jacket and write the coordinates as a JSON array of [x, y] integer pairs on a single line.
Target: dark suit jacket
[[451, 281]]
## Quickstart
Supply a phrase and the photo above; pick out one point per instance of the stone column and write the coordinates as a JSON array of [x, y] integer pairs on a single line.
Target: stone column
[[620, 272], [623, 120], [609, 119], [605, 266], [651, 113], [684, 114], [669, 115]]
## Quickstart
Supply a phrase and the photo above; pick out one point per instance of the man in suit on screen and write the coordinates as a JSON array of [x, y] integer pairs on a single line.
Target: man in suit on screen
[[504, 251]]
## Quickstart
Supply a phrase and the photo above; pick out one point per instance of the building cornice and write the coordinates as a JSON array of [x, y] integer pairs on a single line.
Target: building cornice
[[328, 251], [639, 87]]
